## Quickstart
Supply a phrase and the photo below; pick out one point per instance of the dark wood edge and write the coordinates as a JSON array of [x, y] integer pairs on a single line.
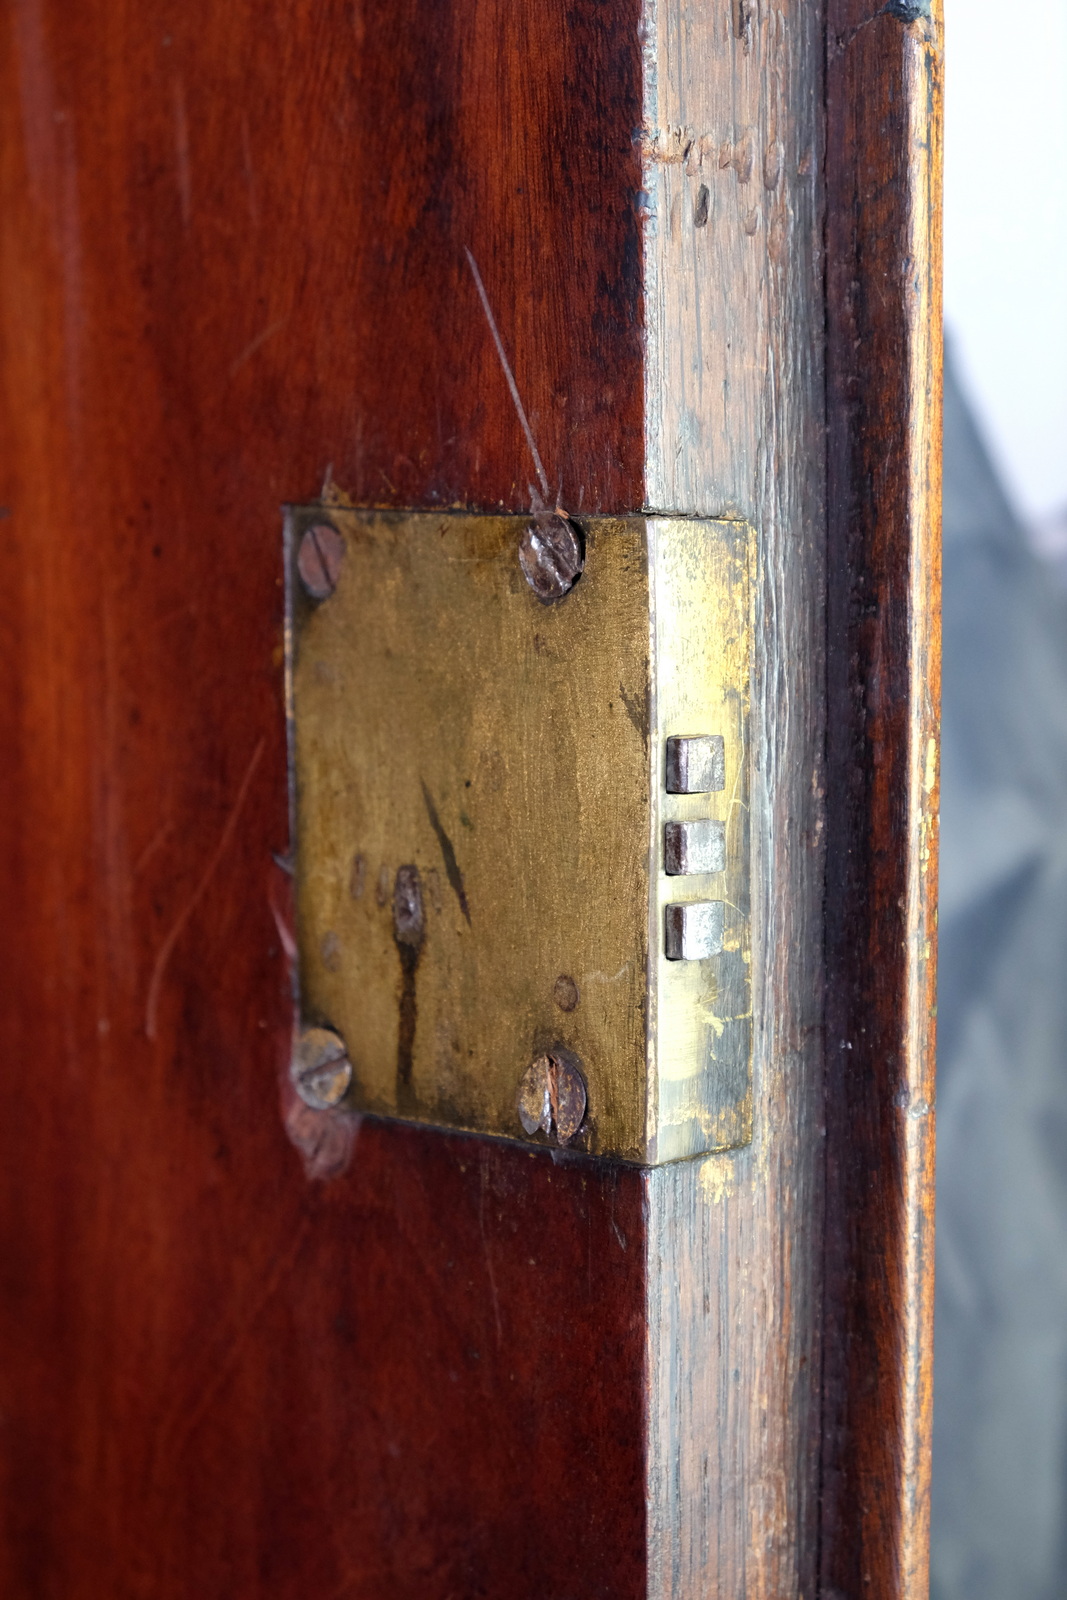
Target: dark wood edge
[[884, 435]]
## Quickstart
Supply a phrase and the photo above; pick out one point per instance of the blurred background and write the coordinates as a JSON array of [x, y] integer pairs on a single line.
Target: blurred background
[[1000, 1411]]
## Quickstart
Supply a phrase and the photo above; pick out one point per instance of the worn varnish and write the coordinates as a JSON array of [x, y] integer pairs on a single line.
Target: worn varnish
[[233, 273], [884, 387], [232, 263]]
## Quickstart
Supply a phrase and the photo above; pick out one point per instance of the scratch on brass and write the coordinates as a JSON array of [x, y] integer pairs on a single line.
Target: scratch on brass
[[455, 876]]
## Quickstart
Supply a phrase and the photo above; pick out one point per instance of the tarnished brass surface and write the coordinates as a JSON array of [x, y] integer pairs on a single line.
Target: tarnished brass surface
[[478, 807]]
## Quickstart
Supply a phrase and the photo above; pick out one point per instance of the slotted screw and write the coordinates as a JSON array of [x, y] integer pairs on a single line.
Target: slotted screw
[[318, 562], [551, 557], [320, 1068], [552, 1095]]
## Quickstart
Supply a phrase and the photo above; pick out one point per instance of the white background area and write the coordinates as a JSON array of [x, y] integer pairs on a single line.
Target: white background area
[[1006, 239]]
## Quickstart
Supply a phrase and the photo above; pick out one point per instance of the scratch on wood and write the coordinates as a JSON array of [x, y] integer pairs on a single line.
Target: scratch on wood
[[484, 1176], [195, 1392], [167, 947], [161, 835], [542, 476], [181, 148], [284, 924], [251, 348]]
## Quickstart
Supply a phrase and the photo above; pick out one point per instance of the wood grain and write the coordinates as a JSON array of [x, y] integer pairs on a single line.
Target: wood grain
[[734, 423], [233, 257], [884, 372]]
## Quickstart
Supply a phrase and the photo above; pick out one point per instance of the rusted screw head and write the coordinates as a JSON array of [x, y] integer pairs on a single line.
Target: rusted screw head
[[552, 1095], [551, 557], [409, 923], [319, 560], [320, 1068]]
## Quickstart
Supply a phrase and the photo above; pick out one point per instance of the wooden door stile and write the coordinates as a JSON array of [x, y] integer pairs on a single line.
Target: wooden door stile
[[883, 177], [734, 426]]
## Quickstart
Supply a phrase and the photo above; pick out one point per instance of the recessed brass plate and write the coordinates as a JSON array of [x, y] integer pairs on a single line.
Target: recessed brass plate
[[479, 812]]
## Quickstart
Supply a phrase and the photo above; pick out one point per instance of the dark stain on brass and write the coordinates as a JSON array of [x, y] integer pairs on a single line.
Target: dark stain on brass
[[357, 878], [552, 1095], [552, 556], [455, 876], [409, 929], [639, 712], [322, 550], [565, 992]]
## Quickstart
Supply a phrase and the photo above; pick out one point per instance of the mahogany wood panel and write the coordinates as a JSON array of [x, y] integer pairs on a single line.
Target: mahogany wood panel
[[232, 258], [884, 387]]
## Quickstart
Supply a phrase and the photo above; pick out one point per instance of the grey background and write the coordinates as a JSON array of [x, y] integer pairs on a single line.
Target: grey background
[[1000, 1407]]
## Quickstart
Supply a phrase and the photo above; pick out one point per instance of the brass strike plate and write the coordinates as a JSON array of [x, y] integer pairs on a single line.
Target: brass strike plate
[[483, 826]]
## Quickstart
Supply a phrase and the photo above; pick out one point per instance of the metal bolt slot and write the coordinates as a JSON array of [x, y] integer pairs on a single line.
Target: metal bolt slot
[[691, 847], [696, 765], [694, 931]]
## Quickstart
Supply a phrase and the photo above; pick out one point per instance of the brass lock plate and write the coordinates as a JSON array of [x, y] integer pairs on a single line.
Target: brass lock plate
[[521, 829]]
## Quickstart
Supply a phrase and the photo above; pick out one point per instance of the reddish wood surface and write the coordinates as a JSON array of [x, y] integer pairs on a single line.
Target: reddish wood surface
[[231, 258], [883, 379]]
